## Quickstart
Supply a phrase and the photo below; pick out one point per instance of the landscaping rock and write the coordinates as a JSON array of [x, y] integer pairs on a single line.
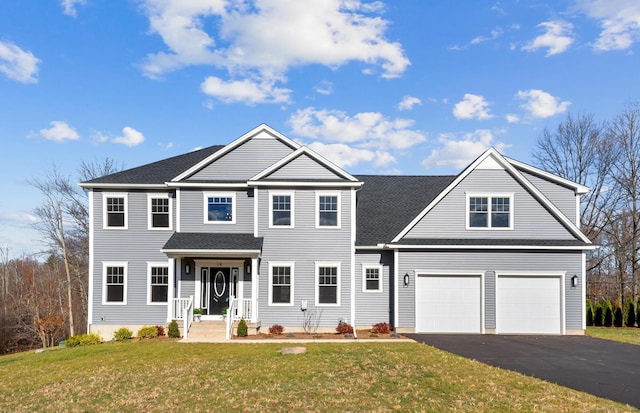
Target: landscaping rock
[[293, 350]]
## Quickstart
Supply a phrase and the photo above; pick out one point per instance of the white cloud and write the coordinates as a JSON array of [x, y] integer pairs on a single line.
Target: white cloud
[[557, 38], [495, 33], [18, 64], [346, 156], [249, 40], [512, 118], [246, 91], [620, 22], [472, 107], [541, 104], [130, 137], [17, 218], [365, 129], [69, 6], [460, 151], [408, 102], [324, 88], [60, 131]]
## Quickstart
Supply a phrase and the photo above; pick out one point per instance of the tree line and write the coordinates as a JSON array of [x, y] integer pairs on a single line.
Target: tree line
[[604, 156]]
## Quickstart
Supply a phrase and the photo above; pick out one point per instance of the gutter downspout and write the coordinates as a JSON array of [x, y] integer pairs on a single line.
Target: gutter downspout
[[354, 225]]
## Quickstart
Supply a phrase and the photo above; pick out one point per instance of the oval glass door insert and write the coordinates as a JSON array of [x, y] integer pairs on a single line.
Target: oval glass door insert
[[219, 284]]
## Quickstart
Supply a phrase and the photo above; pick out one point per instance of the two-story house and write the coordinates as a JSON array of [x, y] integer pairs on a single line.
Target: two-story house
[[271, 231]]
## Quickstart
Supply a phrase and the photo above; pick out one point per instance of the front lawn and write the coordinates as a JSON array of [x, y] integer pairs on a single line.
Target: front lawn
[[622, 334], [169, 376]]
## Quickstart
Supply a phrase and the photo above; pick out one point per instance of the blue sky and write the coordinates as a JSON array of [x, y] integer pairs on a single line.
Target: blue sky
[[379, 87]]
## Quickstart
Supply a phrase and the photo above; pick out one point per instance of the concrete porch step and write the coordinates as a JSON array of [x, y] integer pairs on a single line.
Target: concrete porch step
[[216, 330]]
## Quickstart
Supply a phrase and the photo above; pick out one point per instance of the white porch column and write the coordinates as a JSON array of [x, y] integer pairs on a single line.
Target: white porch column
[[254, 289], [171, 295]]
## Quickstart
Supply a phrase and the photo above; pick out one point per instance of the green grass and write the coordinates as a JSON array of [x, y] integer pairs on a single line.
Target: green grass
[[165, 375], [624, 335]]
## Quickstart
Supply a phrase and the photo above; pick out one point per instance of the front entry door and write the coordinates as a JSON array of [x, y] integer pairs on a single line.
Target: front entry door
[[218, 290]]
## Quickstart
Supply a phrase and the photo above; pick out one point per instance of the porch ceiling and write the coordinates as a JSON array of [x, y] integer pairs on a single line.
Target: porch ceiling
[[212, 244]]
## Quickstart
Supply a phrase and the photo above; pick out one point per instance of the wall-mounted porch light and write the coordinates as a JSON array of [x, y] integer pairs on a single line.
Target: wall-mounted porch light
[[248, 268], [574, 281], [187, 269], [406, 280]]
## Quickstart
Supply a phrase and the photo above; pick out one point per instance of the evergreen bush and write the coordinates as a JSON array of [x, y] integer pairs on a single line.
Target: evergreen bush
[[597, 315], [122, 334], [243, 330], [617, 316], [608, 314], [589, 310], [174, 330], [83, 340], [147, 332], [629, 314]]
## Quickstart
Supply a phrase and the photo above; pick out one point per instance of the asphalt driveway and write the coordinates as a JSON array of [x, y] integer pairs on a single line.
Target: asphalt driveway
[[601, 367]]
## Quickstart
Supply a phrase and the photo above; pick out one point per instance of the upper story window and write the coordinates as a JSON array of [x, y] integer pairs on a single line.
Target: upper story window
[[159, 212], [115, 211], [281, 209], [220, 208], [371, 278], [158, 292], [490, 211], [114, 283], [328, 210]]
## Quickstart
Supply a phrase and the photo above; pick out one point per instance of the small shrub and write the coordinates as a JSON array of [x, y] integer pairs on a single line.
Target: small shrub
[[83, 340], [198, 311], [608, 314], [147, 332], [160, 331], [344, 328], [617, 316], [589, 310], [597, 315], [629, 314], [243, 330], [174, 330], [122, 334], [381, 328], [276, 329]]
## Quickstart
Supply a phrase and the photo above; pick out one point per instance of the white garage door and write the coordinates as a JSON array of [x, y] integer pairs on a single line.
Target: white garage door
[[528, 305], [448, 304]]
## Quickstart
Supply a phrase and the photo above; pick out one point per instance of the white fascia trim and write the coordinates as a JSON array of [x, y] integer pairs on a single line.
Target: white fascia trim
[[106, 264], [494, 247], [91, 264], [292, 300], [292, 210], [242, 139], [151, 264], [338, 266], [371, 247], [578, 188], [299, 152], [289, 184], [517, 176], [196, 252], [150, 226], [122, 186], [213, 185]]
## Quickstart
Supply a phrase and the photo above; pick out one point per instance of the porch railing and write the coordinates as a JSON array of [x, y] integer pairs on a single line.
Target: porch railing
[[182, 309], [238, 309]]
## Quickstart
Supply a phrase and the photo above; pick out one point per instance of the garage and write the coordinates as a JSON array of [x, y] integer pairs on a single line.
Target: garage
[[448, 303], [529, 304]]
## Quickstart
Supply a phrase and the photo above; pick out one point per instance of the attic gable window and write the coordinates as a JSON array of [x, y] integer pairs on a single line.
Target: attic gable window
[[490, 211], [220, 208]]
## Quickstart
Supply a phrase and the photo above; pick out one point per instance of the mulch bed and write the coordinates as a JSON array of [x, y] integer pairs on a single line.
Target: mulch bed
[[362, 335]]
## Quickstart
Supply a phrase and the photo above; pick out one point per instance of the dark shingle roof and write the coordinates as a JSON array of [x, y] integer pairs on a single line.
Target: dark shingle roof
[[387, 204], [157, 172], [212, 241], [494, 242]]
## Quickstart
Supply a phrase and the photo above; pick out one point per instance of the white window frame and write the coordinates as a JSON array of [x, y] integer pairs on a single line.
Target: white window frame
[[105, 214], [150, 197], [489, 196], [336, 264], [364, 278], [151, 265], [291, 266], [290, 194], [338, 196], [208, 195], [105, 265]]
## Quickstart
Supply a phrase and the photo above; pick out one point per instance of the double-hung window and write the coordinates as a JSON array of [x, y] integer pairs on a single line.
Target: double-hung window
[[159, 212], [115, 211], [281, 209], [327, 284], [220, 208], [158, 292], [328, 210], [371, 278], [281, 283], [490, 211], [114, 283]]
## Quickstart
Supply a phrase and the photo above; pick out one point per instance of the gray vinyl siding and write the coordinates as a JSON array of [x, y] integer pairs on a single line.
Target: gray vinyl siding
[[305, 245], [245, 161], [136, 246], [374, 307], [490, 262], [192, 210], [448, 218], [562, 197], [303, 168]]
